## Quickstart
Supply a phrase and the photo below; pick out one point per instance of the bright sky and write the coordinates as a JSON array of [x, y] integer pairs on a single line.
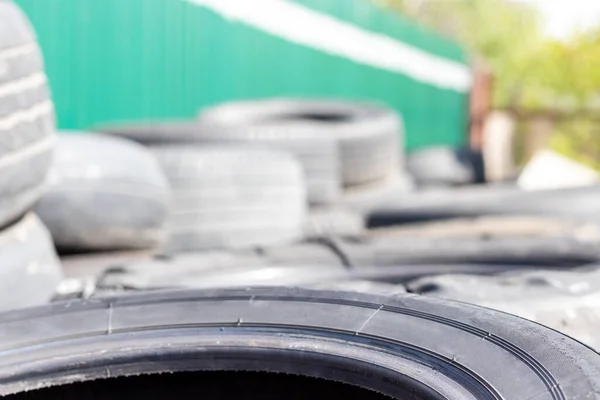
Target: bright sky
[[564, 17]]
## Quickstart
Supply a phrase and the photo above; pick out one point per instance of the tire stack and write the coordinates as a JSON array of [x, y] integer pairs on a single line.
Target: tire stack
[[349, 154], [29, 267], [368, 138], [232, 197], [229, 194]]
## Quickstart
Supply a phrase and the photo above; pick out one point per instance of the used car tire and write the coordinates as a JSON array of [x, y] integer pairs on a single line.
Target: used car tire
[[232, 197], [368, 135], [532, 251], [444, 166], [373, 196], [334, 221], [403, 346], [216, 269], [29, 267], [104, 193], [27, 125], [318, 154], [560, 300]]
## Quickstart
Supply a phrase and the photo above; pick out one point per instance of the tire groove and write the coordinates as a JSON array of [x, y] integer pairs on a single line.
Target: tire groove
[[545, 376]]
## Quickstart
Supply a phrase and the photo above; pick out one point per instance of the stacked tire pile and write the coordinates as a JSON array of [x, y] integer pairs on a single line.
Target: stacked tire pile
[[29, 267], [350, 156]]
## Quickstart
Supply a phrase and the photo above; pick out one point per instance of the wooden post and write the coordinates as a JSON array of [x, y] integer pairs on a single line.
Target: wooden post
[[480, 103]]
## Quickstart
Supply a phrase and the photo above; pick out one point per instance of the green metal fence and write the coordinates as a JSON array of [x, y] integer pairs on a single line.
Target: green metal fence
[[114, 60]]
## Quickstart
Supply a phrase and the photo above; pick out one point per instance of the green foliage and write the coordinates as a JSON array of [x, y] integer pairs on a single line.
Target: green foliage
[[532, 72], [505, 34]]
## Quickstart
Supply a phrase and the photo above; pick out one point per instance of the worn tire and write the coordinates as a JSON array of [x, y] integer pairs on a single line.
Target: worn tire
[[333, 222], [29, 268], [232, 197], [26, 115], [368, 135], [216, 269], [317, 154], [559, 251], [580, 204], [373, 196], [403, 346], [440, 166], [557, 299], [104, 193]]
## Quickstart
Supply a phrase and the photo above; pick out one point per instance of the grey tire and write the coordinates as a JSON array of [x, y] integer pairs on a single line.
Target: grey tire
[[104, 193], [29, 268], [372, 196], [334, 221], [213, 269], [27, 123], [368, 135], [232, 197], [440, 166], [580, 204], [318, 154]]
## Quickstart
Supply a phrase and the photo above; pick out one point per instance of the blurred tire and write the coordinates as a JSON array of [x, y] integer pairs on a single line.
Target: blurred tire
[[368, 135], [104, 193], [401, 346], [26, 115], [232, 197], [560, 251], [369, 197], [334, 221], [577, 204], [216, 269], [318, 154], [29, 268], [444, 166]]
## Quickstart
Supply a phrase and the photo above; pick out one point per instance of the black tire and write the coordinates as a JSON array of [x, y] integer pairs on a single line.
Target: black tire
[[557, 299], [441, 166], [26, 116], [334, 221], [557, 251], [232, 197], [368, 135], [317, 154], [577, 204], [104, 193], [29, 268], [403, 346]]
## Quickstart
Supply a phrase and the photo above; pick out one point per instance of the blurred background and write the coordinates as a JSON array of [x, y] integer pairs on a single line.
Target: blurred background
[[451, 68]]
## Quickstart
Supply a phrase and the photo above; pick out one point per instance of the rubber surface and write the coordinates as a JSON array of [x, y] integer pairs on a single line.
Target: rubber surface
[[578, 204], [441, 166], [403, 346], [369, 136], [558, 251], [318, 154], [370, 197], [216, 269], [232, 197], [27, 122], [333, 221], [563, 300], [29, 268], [104, 193]]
